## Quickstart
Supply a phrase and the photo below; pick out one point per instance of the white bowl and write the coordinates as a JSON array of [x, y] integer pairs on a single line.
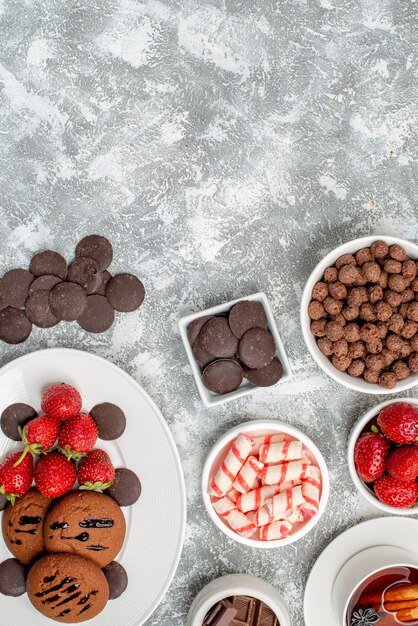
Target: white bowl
[[256, 428], [354, 435], [212, 399], [358, 384], [360, 567], [236, 585]]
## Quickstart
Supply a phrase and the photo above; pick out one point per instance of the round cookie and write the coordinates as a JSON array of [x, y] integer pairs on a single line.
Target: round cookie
[[117, 578], [23, 526], [12, 578], [48, 262], [245, 315], [125, 292], [98, 315], [87, 523], [110, 420], [222, 376], [68, 301], [266, 376], [67, 588], [85, 272], [14, 287], [38, 310], [216, 338], [15, 327], [96, 247], [15, 415], [257, 348], [126, 487]]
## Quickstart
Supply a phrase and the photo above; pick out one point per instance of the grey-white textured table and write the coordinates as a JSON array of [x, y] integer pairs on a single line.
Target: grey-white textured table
[[223, 147]]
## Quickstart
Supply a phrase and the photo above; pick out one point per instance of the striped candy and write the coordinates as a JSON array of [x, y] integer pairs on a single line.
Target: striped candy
[[247, 474], [239, 522], [311, 489], [284, 472], [275, 530], [264, 440], [279, 452], [231, 465]]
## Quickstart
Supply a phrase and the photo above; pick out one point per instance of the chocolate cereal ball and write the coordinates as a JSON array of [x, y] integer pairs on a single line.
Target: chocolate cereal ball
[[403, 309], [387, 380], [413, 362], [397, 252], [339, 318], [383, 280], [341, 348], [383, 311], [397, 283], [392, 298], [408, 295], [375, 293], [414, 285], [363, 256], [379, 248], [348, 274], [338, 290], [334, 331], [318, 327], [375, 346], [350, 312], [331, 275], [356, 368], [414, 343], [369, 332], [382, 329], [356, 350], [392, 267], [316, 310], [351, 332], [394, 343], [367, 312], [371, 376], [375, 362], [400, 369], [412, 312], [409, 329], [371, 271], [409, 269], [320, 291], [356, 296], [345, 259], [396, 323], [388, 356], [341, 362], [332, 306], [326, 346]]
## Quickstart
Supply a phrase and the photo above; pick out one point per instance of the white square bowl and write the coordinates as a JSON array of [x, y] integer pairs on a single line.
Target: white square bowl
[[213, 399]]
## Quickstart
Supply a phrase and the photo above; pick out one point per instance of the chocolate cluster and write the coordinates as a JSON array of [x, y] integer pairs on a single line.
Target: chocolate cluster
[[364, 314]]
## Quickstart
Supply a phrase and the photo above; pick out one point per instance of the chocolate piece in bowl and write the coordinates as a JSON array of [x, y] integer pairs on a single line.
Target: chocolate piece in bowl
[[201, 356], [48, 262], [221, 614], [217, 339], [110, 420], [12, 578], [96, 247], [126, 487], [245, 315], [14, 287], [257, 348], [241, 611], [222, 375], [266, 376], [196, 326], [15, 415]]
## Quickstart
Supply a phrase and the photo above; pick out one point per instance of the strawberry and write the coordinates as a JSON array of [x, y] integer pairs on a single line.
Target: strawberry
[[77, 436], [54, 475], [39, 435], [370, 455], [402, 463], [61, 401], [401, 494], [96, 471], [16, 479], [399, 422]]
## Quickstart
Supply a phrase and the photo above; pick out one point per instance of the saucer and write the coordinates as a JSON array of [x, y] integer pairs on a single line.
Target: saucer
[[390, 531]]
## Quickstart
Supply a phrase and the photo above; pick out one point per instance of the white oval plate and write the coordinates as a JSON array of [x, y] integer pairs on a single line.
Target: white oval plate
[[383, 531], [156, 522]]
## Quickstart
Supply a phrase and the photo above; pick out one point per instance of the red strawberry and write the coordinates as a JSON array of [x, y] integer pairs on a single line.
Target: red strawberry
[[401, 494], [399, 422], [39, 435], [96, 471], [16, 480], [54, 475], [61, 401], [402, 463], [77, 436], [370, 455]]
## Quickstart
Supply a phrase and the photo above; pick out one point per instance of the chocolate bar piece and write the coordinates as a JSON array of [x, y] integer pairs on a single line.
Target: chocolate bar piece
[[222, 614], [252, 612]]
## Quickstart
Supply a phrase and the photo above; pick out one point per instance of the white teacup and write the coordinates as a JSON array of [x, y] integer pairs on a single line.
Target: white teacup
[[360, 567]]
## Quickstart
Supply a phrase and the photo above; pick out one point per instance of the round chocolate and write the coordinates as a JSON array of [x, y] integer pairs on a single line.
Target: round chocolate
[[3, 502], [257, 348], [16, 415], [222, 376], [48, 262], [126, 487], [216, 338], [110, 420], [14, 287], [201, 356], [104, 278], [245, 315], [44, 283], [196, 326], [125, 292], [98, 315], [117, 578], [15, 327], [39, 310], [12, 578], [96, 247], [68, 301], [266, 376], [85, 272]]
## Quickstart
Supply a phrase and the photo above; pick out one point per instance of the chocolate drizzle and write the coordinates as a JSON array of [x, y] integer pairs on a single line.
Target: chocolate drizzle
[[73, 597], [80, 537], [64, 613], [60, 585], [85, 608], [97, 548], [32, 531], [27, 519], [97, 523], [57, 525]]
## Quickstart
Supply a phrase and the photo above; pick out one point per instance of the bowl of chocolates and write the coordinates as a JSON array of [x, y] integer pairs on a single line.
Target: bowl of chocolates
[[383, 456], [238, 600], [234, 349], [265, 484], [359, 314]]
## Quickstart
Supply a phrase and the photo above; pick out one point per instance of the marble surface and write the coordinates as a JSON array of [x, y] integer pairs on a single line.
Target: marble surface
[[224, 147]]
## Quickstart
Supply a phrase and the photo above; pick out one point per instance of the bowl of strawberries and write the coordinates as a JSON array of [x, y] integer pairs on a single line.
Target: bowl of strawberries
[[383, 456]]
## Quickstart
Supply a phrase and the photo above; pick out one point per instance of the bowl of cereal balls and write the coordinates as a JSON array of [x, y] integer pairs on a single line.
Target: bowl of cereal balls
[[359, 314]]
